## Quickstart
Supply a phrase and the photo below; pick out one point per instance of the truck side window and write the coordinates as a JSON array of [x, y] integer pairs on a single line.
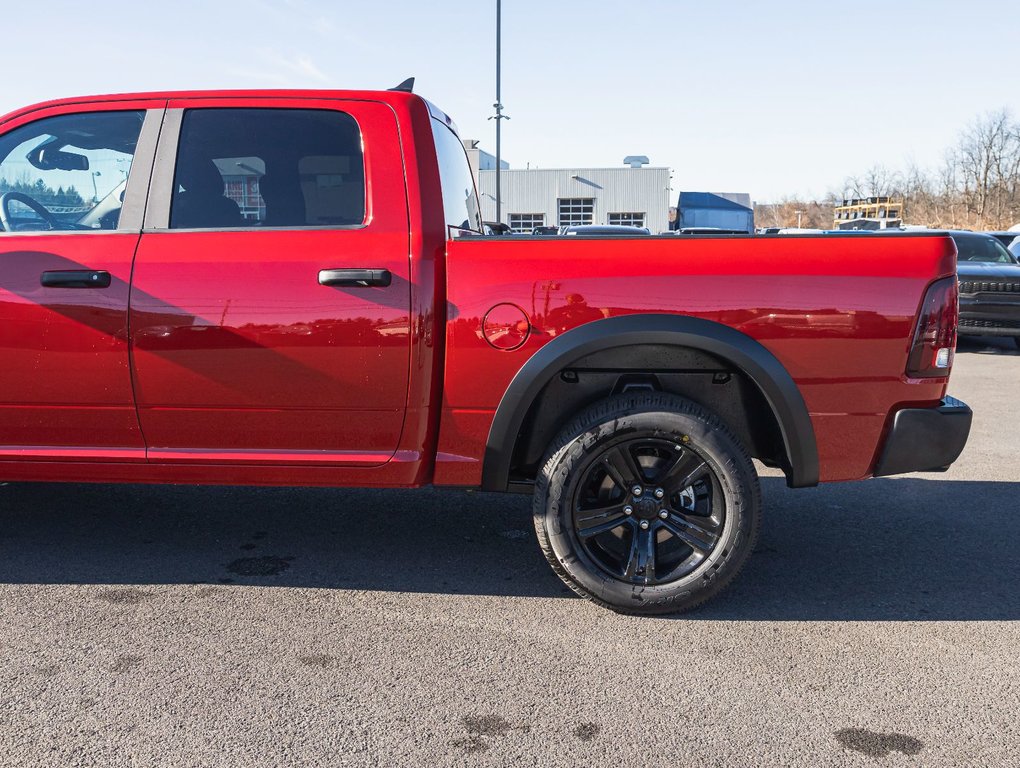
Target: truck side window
[[67, 173], [268, 168], [460, 200]]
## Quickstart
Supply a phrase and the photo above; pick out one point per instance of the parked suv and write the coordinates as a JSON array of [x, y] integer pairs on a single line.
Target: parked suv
[[989, 286]]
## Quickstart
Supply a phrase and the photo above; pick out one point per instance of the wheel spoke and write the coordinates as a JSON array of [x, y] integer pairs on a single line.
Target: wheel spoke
[[616, 495], [641, 560], [696, 535], [602, 525], [682, 473], [619, 463], [597, 514]]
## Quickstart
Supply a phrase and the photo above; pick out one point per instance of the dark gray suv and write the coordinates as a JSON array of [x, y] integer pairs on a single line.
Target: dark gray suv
[[989, 287]]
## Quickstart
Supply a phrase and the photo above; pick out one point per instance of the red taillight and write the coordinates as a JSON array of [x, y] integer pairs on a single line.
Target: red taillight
[[931, 353]]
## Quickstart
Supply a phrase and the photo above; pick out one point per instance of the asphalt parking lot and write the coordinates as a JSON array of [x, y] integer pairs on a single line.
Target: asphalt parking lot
[[877, 623]]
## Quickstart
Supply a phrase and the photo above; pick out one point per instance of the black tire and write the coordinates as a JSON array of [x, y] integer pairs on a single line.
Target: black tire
[[695, 538], [1016, 341]]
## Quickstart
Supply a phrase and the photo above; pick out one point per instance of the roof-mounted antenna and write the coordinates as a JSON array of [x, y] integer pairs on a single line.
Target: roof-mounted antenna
[[407, 86]]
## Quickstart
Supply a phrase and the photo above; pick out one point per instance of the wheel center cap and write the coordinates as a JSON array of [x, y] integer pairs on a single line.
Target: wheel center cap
[[646, 509]]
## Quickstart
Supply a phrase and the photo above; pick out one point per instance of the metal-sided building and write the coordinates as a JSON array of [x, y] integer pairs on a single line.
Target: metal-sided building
[[480, 160], [536, 197], [564, 196]]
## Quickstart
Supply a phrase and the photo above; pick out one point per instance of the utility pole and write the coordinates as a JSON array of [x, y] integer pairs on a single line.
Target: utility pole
[[499, 116]]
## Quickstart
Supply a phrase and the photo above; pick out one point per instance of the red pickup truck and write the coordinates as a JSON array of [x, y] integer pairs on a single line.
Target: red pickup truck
[[292, 288]]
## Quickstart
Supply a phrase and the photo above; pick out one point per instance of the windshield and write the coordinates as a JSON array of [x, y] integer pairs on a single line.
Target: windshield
[[981, 248]]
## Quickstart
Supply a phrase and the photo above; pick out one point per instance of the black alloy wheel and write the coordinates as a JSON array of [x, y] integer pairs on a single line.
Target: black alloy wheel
[[647, 503], [648, 510]]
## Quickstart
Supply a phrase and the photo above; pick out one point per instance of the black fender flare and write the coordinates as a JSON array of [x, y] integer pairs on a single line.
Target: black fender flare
[[732, 346]]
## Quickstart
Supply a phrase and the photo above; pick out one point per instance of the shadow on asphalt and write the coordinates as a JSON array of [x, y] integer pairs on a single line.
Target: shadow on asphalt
[[889, 549]]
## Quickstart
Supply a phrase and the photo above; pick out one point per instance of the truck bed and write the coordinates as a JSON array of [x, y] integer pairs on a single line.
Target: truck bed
[[838, 311]]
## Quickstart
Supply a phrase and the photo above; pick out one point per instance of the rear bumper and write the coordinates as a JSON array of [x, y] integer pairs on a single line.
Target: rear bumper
[[925, 439]]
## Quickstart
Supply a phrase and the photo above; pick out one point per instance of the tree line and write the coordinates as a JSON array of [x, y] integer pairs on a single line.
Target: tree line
[[43, 193], [977, 185]]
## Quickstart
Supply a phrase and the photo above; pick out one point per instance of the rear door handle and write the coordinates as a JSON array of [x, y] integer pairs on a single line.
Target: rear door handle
[[355, 277], [75, 278]]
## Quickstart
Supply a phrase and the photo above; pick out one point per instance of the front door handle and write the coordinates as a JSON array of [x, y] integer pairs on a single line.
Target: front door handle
[[355, 277], [75, 278]]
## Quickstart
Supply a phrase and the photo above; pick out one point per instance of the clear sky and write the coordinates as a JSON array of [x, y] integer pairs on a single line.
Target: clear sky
[[776, 98]]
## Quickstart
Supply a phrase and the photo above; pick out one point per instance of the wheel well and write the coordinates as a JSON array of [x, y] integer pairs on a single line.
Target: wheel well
[[694, 374]]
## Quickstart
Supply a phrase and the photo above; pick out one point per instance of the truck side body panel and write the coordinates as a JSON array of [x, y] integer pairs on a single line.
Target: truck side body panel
[[845, 346]]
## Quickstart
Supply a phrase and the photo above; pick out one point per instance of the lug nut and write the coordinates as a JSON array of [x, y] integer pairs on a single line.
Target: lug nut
[[663, 514], [644, 525], [659, 493], [637, 490], [628, 510]]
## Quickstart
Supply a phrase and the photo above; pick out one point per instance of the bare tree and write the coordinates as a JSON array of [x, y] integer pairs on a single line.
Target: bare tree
[[988, 158], [814, 214], [977, 185]]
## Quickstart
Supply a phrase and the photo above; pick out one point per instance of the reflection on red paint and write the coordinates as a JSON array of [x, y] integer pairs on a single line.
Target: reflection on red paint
[[506, 326], [838, 312]]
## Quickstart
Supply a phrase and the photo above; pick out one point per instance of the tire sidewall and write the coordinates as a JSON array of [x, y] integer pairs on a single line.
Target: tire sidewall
[[721, 454]]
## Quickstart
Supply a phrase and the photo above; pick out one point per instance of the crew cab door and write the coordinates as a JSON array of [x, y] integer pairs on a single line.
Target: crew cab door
[[270, 300], [73, 181]]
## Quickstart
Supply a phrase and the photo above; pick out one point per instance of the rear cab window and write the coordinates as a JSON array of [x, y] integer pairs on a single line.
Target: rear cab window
[[254, 168], [460, 199]]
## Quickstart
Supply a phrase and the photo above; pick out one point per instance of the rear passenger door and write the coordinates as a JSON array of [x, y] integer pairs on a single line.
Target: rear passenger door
[[270, 299]]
